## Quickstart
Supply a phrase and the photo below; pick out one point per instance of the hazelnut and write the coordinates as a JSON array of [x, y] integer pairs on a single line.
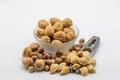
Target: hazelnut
[[34, 57], [27, 61], [40, 50], [77, 49], [82, 40], [39, 64], [58, 26], [70, 36], [47, 68], [54, 20], [42, 24], [54, 56], [49, 31], [56, 42], [40, 32], [60, 35], [47, 55], [27, 52], [67, 30], [59, 54], [64, 58], [58, 60], [84, 71], [45, 39], [34, 46], [67, 22], [79, 53], [40, 56], [48, 62], [31, 69]]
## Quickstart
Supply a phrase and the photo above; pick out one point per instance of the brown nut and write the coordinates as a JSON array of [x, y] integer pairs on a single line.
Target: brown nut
[[27, 61], [45, 39], [47, 56], [77, 49], [40, 32], [31, 69], [70, 36], [67, 30], [34, 46], [53, 68], [92, 61], [40, 50], [42, 24], [27, 52], [56, 42], [65, 70], [86, 54], [91, 69], [64, 58], [67, 22], [82, 40], [58, 26], [58, 60], [73, 59], [54, 56], [76, 66], [59, 54], [60, 35], [34, 57], [48, 62], [39, 64], [49, 31], [84, 71], [54, 20], [79, 53], [47, 67], [82, 61]]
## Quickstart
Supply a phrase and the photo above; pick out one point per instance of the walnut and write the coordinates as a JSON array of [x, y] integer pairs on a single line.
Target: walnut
[[42, 24], [58, 26], [49, 31], [45, 39], [27, 52], [67, 30], [56, 42], [39, 64], [54, 20], [60, 35], [27, 61], [67, 22], [70, 36], [34, 46], [40, 32]]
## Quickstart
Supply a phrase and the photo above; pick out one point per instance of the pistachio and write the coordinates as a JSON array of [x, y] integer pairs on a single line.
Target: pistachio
[[82, 61], [76, 66], [92, 61], [91, 69], [61, 66]]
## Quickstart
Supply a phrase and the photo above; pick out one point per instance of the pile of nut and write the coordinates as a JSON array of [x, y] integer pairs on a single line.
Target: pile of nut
[[75, 60], [56, 32]]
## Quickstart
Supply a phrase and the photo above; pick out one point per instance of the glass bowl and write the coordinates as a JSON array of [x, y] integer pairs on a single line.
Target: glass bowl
[[52, 48]]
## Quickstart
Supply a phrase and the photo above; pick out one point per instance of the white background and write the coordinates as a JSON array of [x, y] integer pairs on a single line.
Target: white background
[[94, 17]]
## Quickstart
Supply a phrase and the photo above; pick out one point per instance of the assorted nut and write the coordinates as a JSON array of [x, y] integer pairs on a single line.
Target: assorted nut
[[75, 60], [56, 30]]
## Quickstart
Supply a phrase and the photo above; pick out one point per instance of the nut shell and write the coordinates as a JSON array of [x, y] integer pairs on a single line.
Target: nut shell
[[58, 26], [67, 22], [49, 31], [42, 24], [53, 20], [45, 39], [40, 32], [27, 61], [39, 64]]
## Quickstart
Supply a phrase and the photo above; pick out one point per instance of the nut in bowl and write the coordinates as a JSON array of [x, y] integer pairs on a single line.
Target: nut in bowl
[[53, 38]]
